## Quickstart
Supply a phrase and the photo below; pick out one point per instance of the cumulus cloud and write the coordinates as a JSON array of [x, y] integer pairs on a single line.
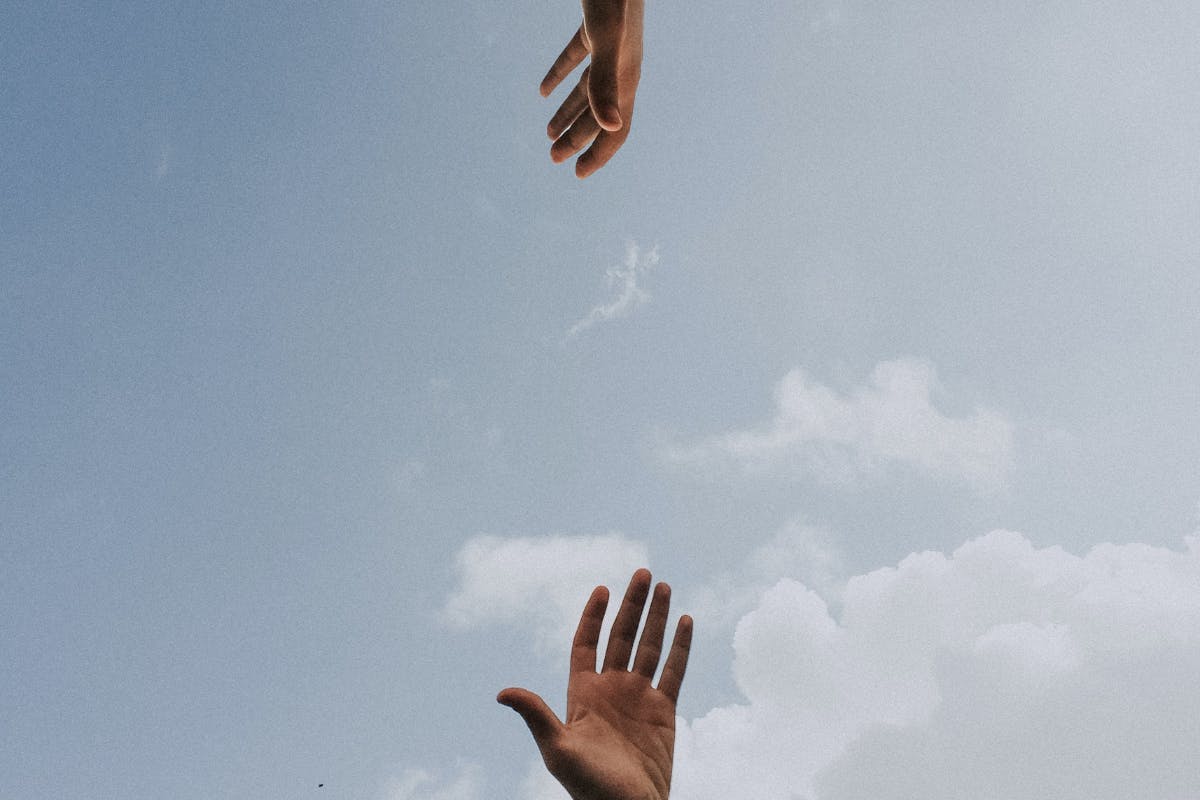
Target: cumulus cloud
[[629, 295], [418, 784], [796, 550], [1000, 671], [539, 582], [891, 420]]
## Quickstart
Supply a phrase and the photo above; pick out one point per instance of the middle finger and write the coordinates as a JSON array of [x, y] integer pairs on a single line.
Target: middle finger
[[575, 104]]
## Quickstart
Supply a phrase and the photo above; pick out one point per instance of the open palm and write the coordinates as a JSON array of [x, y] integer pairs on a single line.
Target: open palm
[[619, 736]]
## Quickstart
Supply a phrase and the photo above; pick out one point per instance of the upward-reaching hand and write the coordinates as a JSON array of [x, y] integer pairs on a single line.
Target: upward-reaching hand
[[619, 737], [600, 106]]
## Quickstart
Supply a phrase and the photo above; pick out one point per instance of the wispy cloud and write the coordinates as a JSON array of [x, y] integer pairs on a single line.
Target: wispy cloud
[[163, 165], [890, 420], [629, 294]]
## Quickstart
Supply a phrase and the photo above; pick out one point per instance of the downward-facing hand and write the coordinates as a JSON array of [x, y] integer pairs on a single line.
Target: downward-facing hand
[[600, 107]]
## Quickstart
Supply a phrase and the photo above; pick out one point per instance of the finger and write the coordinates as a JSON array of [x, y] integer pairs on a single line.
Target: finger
[[624, 629], [650, 645], [575, 139], [672, 674], [587, 634], [602, 150], [542, 722], [567, 61], [604, 21], [575, 104]]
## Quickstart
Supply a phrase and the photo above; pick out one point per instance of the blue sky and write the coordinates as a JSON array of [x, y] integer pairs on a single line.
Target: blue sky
[[288, 385]]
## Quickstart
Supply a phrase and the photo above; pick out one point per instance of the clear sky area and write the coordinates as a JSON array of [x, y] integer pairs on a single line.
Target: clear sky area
[[326, 398]]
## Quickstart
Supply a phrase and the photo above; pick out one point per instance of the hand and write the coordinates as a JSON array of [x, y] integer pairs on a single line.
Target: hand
[[619, 737], [600, 106]]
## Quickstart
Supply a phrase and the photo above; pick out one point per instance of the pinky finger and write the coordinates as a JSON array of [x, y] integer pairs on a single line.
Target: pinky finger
[[676, 666], [575, 139], [604, 148]]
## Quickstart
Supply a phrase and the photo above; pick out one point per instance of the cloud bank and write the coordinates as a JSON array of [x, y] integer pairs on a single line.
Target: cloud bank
[[1000, 671], [538, 582], [891, 420], [629, 294]]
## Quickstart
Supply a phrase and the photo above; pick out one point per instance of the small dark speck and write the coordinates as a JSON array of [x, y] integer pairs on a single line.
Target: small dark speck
[[319, 785]]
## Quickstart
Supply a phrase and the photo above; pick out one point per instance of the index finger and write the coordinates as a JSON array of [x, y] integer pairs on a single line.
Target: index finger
[[567, 61], [587, 635]]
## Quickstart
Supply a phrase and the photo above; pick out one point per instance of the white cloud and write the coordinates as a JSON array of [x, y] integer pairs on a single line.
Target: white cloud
[[796, 550], [539, 582], [891, 420], [418, 784], [1001, 671], [629, 294]]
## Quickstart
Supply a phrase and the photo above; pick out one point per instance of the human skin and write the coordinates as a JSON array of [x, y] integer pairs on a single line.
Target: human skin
[[618, 739], [600, 107]]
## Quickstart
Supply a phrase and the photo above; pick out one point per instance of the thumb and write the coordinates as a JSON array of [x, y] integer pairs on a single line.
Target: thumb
[[543, 723], [604, 21], [602, 91]]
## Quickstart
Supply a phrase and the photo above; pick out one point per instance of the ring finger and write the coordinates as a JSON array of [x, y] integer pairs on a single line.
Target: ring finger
[[575, 138]]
